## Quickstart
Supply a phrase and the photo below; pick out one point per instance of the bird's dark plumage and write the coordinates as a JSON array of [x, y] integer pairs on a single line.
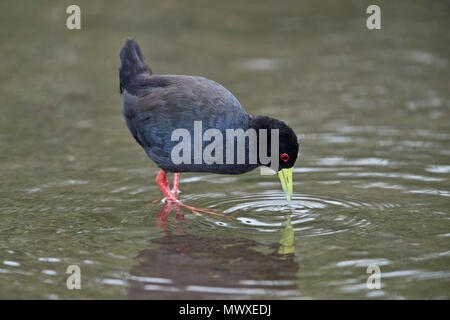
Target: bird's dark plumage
[[155, 105], [133, 71]]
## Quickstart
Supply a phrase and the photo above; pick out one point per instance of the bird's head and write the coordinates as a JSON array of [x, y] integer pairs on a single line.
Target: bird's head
[[288, 155], [287, 151]]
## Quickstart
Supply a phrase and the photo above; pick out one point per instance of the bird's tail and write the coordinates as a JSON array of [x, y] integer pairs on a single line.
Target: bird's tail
[[133, 69]]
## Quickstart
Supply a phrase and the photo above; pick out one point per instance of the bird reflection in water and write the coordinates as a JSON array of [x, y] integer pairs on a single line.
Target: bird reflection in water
[[185, 266], [163, 214]]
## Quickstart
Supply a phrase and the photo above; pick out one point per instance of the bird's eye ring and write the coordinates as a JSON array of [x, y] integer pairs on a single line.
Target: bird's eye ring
[[284, 157]]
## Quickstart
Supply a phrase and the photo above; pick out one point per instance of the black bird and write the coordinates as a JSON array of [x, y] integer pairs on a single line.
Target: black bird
[[155, 105]]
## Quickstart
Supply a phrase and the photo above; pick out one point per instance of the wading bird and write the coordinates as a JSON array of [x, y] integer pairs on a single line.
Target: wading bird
[[155, 105]]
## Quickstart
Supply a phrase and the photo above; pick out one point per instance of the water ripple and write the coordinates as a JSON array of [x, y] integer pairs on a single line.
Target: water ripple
[[267, 212]]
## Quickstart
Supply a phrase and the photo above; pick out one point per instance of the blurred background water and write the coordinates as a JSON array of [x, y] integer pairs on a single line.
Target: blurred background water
[[371, 109]]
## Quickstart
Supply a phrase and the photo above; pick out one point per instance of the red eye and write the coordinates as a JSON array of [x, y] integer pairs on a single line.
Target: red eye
[[284, 157]]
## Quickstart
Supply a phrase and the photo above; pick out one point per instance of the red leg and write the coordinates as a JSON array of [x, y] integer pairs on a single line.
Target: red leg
[[176, 182], [163, 184]]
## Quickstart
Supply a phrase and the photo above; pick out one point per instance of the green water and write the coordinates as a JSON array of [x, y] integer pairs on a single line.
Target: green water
[[371, 110]]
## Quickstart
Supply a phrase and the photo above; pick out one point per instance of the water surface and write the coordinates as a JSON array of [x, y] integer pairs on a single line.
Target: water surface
[[371, 109]]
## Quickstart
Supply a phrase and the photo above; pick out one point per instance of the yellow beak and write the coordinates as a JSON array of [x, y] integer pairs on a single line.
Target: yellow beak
[[286, 182]]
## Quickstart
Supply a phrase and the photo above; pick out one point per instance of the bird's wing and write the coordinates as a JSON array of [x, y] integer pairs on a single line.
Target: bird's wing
[[182, 100], [184, 92], [169, 102]]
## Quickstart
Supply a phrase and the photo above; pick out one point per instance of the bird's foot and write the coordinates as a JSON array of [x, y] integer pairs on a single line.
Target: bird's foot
[[172, 195], [175, 203], [195, 210], [153, 202], [199, 211]]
